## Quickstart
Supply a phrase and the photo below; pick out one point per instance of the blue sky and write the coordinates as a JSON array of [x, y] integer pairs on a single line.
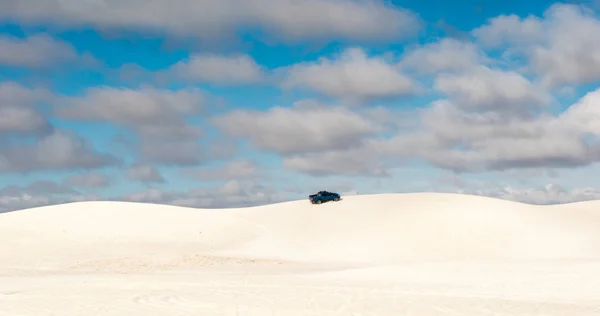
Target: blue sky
[[239, 103]]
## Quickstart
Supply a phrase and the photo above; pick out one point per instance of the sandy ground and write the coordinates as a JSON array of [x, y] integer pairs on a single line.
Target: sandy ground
[[390, 254]]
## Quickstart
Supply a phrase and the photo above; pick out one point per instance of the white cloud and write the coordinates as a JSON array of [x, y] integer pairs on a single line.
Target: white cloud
[[88, 180], [233, 193], [180, 152], [238, 169], [456, 139], [546, 195], [224, 70], [22, 121], [510, 30], [22, 201], [39, 193], [486, 89], [145, 173], [319, 139], [38, 50], [13, 93], [148, 196], [446, 55], [573, 52], [363, 160], [287, 20], [298, 129], [18, 111], [159, 117], [528, 185], [534, 186], [60, 150], [38, 188], [150, 112], [561, 47], [353, 76]]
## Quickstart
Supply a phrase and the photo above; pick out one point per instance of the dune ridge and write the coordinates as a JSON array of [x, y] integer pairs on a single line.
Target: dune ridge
[[426, 239], [381, 228]]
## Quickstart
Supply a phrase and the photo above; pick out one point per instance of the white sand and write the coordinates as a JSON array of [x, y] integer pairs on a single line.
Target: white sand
[[392, 254]]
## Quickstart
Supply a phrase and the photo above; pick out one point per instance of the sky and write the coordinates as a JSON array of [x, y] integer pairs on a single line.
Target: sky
[[234, 103]]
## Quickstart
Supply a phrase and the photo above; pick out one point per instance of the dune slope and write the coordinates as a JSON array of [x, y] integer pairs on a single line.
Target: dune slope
[[370, 229], [423, 246]]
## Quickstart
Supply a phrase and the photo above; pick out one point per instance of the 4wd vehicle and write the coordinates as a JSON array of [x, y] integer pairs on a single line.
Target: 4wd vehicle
[[323, 196]]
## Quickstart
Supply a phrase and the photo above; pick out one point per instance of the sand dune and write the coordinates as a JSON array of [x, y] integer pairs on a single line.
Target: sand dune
[[388, 254]]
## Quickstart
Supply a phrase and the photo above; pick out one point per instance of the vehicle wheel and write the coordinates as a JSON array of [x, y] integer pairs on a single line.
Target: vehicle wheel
[[318, 202], [336, 199]]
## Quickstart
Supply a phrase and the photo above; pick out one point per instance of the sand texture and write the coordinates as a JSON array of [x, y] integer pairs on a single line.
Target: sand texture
[[387, 254]]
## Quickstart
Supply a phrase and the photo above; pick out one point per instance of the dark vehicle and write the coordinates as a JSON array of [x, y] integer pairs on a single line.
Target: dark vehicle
[[323, 196]]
